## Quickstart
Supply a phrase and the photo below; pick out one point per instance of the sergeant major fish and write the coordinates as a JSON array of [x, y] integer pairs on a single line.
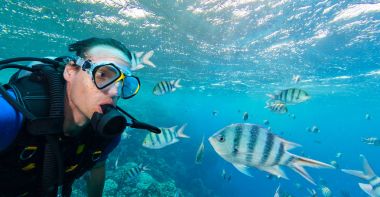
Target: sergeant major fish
[[371, 141], [290, 96], [249, 145], [135, 172], [277, 107], [373, 188], [139, 59], [200, 152], [164, 87], [167, 137]]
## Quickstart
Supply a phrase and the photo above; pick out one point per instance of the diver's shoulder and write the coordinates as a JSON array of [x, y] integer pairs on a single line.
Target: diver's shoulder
[[10, 122]]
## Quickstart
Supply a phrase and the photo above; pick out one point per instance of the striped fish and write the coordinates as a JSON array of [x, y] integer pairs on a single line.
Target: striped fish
[[373, 188], [164, 87], [167, 137], [277, 107], [249, 145], [134, 172], [371, 141], [200, 152], [290, 96]]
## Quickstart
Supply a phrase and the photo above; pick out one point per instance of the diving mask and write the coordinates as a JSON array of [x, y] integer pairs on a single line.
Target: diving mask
[[104, 74]]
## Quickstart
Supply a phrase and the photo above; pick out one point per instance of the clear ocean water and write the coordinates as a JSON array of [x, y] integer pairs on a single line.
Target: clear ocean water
[[228, 54]]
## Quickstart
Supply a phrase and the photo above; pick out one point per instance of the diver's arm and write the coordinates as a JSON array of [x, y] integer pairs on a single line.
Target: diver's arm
[[10, 122], [95, 182]]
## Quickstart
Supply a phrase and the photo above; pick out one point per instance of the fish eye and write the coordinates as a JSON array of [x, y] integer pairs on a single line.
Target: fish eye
[[221, 138]]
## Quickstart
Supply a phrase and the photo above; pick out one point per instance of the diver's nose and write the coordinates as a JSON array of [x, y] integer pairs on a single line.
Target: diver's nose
[[115, 89]]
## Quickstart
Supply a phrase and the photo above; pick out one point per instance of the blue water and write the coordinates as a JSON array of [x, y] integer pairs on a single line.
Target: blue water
[[229, 55]]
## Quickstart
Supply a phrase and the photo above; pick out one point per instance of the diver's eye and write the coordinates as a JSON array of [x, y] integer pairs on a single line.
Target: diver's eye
[[221, 138]]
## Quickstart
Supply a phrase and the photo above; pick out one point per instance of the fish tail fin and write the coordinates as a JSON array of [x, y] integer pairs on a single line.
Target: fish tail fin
[[367, 174], [137, 67], [299, 163], [367, 168], [271, 96], [267, 104], [145, 167], [277, 193], [367, 188], [180, 132], [176, 83], [146, 57]]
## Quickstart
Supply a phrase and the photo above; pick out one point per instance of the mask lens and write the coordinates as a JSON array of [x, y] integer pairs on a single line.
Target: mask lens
[[131, 86], [105, 75]]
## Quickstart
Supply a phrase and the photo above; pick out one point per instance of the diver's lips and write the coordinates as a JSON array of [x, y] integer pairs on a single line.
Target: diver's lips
[[99, 109]]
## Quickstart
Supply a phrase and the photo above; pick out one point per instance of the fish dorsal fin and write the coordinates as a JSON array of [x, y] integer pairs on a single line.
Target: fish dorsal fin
[[172, 129], [367, 168], [368, 189], [289, 145], [243, 169], [275, 170]]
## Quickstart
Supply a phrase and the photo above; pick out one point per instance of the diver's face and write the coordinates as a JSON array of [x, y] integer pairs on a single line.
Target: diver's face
[[84, 96]]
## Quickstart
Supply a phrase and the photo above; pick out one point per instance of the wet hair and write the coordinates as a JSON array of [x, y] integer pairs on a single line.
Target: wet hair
[[82, 46]]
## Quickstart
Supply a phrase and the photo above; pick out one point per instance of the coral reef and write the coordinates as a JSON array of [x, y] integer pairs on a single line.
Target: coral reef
[[165, 166]]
